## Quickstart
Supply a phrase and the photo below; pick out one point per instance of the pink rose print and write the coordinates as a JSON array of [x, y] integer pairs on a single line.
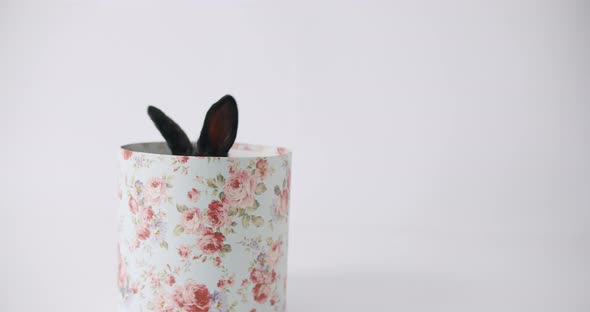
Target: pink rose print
[[134, 288], [133, 204], [156, 190], [192, 221], [225, 283], [264, 276], [282, 150], [146, 213], [262, 292], [127, 154], [182, 159], [218, 214], [240, 188], [193, 297], [257, 276], [193, 195], [285, 284], [122, 273], [178, 296], [272, 277], [142, 231], [163, 303], [282, 208], [142, 228], [274, 254], [184, 251], [262, 168], [211, 242]]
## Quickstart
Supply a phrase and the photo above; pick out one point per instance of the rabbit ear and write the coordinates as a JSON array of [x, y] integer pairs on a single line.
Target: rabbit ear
[[177, 140], [220, 128]]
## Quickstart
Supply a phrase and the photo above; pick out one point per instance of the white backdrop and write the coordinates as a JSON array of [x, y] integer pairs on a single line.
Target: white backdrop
[[441, 148]]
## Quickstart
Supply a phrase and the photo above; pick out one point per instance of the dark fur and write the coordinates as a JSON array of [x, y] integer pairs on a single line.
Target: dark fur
[[217, 136], [219, 129]]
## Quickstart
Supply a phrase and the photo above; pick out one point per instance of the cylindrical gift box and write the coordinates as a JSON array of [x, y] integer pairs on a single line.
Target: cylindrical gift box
[[202, 234]]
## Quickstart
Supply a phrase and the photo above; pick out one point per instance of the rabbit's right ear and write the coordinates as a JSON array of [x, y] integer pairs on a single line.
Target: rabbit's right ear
[[177, 140], [219, 129]]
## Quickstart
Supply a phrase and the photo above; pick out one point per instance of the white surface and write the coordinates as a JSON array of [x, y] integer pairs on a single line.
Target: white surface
[[441, 156]]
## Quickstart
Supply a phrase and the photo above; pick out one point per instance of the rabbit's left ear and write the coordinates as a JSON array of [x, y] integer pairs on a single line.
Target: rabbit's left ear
[[177, 140], [219, 129]]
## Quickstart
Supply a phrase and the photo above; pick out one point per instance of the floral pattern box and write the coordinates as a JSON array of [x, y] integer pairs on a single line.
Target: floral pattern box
[[203, 234]]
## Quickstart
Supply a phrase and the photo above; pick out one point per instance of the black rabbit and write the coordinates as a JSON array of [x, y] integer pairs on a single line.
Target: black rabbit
[[217, 136]]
